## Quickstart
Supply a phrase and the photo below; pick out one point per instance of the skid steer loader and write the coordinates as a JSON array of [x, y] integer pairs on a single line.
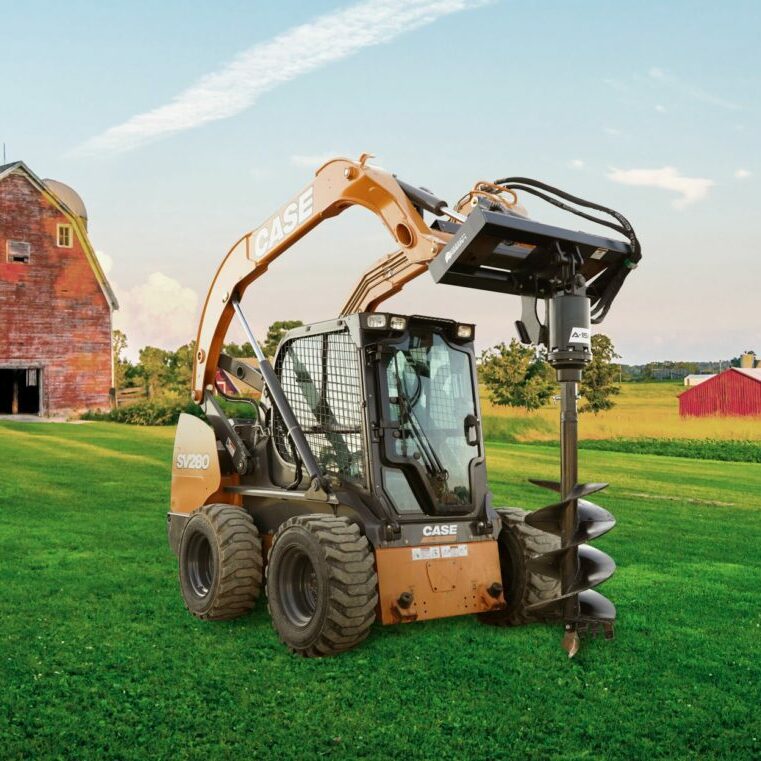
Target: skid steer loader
[[356, 489]]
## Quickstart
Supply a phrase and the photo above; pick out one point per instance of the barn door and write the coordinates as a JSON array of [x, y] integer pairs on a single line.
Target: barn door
[[20, 391]]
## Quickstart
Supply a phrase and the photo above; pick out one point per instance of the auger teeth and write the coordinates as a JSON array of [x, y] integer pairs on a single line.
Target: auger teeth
[[593, 520]]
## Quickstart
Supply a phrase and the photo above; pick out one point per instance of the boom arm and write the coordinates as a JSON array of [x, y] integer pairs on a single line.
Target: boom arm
[[338, 184], [493, 248]]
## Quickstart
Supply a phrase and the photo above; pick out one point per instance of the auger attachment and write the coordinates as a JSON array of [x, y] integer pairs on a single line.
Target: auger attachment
[[591, 611], [575, 520]]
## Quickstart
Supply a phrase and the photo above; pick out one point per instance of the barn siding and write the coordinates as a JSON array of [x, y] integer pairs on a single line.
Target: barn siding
[[729, 393], [53, 312]]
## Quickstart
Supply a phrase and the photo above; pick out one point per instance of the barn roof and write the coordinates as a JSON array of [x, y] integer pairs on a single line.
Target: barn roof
[[751, 372], [754, 373], [81, 230]]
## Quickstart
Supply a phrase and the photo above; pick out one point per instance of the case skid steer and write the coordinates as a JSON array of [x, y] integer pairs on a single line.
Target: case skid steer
[[358, 489]]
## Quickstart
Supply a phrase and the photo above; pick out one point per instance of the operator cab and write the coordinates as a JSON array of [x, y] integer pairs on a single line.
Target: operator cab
[[389, 406]]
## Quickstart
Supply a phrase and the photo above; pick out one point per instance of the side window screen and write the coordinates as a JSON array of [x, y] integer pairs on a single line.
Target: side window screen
[[18, 251], [320, 378]]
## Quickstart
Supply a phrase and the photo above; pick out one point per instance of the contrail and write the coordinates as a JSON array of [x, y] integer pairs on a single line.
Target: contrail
[[264, 66]]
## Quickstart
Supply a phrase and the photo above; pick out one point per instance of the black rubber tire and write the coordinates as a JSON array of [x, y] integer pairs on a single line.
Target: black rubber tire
[[220, 563], [321, 585], [517, 544]]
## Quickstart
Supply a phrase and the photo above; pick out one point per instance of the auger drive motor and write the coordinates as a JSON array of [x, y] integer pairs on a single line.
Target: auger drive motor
[[355, 488]]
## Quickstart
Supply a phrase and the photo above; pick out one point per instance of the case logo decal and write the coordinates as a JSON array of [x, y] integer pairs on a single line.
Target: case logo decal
[[440, 530]]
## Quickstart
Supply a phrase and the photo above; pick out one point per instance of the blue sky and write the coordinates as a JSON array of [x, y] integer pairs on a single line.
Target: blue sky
[[646, 107]]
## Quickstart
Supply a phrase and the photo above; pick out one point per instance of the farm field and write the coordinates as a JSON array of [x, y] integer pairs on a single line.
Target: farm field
[[643, 410], [100, 660]]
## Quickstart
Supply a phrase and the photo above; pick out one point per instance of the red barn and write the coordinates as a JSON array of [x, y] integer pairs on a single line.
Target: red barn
[[55, 300], [736, 391]]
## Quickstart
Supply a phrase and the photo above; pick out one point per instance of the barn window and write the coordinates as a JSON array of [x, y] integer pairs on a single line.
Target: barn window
[[18, 251], [64, 236]]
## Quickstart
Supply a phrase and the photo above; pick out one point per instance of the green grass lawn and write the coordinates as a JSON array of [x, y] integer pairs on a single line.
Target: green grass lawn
[[100, 660]]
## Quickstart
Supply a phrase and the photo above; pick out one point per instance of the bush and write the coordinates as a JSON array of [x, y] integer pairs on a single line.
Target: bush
[[165, 411], [161, 412]]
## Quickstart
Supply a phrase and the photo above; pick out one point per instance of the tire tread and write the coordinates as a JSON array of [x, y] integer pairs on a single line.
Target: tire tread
[[353, 583]]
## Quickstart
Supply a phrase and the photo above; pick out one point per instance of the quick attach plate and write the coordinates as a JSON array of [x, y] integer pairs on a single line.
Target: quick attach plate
[[494, 251]]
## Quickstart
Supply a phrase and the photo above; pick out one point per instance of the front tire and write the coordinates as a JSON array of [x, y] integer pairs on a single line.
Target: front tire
[[220, 563], [321, 585], [518, 543]]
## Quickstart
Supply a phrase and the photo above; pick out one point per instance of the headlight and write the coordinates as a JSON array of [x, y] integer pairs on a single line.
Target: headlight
[[398, 323], [377, 320], [465, 332]]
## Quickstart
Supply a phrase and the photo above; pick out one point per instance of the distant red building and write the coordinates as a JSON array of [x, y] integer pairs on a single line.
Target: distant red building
[[736, 391], [55, 300]]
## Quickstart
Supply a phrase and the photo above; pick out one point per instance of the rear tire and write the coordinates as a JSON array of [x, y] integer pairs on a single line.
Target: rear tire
[[220, 563], [321, 585], [518, 543]]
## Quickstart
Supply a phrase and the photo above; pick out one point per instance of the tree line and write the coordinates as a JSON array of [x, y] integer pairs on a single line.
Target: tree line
[[514, 374], [164, 373]]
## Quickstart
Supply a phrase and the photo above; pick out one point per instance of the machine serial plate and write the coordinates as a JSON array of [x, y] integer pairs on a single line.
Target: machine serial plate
[[446, 551]]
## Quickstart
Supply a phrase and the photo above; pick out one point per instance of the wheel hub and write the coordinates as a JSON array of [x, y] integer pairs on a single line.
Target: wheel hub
[[200, 565], [298, 586]]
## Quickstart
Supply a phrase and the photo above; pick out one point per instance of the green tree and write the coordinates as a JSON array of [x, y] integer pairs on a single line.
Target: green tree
[[517, 376], [275, 334], [154, 365], [180, 369], [598, 384], [238, 350], [121, 365]]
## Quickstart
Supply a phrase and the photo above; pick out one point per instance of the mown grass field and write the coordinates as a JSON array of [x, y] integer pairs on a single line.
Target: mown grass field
[[648, 410], [99, 660]]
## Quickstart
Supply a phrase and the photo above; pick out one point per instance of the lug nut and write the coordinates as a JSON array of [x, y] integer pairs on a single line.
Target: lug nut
[[405, 600]]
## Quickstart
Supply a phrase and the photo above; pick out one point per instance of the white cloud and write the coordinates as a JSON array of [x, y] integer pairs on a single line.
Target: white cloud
[[301, 49], [612, 131], [660, 109], [159, 312], [576, 164], [313, 161], [690, 189], [742, 174]]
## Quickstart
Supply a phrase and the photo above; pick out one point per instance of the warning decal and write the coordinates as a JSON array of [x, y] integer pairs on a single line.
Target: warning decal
[[446, 551]]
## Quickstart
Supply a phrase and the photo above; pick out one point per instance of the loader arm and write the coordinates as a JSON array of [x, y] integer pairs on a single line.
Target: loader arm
[[338, 185]]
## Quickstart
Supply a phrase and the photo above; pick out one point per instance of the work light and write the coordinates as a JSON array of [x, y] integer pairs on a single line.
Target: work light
[[377, 320]]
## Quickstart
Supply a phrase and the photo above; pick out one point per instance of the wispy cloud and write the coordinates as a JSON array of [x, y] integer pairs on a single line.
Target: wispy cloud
[[690, 189], [692, 91], [742, 174], [302, 49], [576, 164]]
